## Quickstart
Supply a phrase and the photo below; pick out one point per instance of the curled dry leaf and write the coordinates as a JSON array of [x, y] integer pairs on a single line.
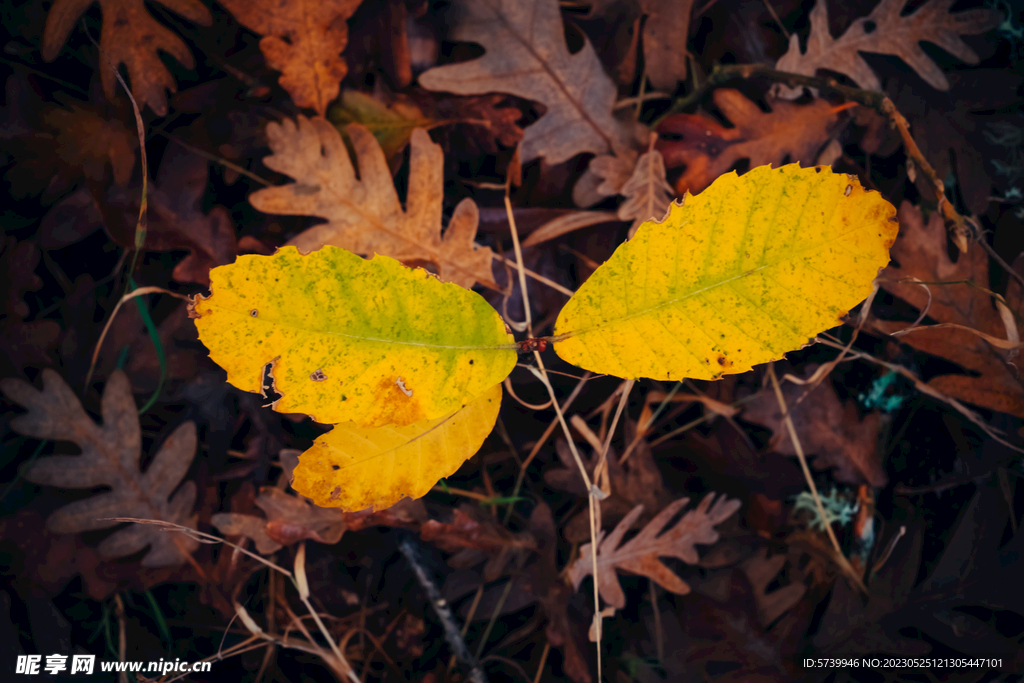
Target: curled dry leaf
[[303, 39], [886, 31], [289, 520], [826, 428], [665, 34], [110, 457], [391, 124], [526, 55], [707, 149], [921, 253], [130, 36], [640, 554], [364, 214]]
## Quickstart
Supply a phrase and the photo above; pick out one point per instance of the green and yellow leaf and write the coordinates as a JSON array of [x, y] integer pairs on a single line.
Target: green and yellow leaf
[[744, 272], [355, 468], [348, 339]]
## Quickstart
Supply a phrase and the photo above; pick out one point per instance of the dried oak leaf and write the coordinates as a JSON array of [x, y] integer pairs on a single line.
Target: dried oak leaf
[[364, 215], [640, 554], [885, 31], [303, 39], [647, 191], [921, 253], [289, 520], [110, 457], [22, 342], [793, 132], [526, 55], [130, 36], [827, 428], [75, 142]]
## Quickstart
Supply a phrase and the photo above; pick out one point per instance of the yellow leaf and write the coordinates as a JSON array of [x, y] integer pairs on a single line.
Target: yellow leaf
[[356, 467], [370, 341], [742, 273]]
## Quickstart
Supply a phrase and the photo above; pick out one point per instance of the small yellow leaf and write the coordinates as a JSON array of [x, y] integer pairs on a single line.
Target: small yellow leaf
[[370, 341], [747, 270], [355, 468]]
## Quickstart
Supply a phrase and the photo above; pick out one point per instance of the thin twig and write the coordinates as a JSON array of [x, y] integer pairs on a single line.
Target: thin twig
[[840, 558], [444, 613]]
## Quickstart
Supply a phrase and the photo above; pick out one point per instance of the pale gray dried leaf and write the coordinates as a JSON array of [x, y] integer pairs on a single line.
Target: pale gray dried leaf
[[110, 457], [289, 519], [886, 32], [526, 55], [647, 192], [640, 554], [363, 214]]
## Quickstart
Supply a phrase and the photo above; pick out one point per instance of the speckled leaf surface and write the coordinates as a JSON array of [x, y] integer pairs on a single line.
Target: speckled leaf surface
[[744, 272], [355, 468], [368, 341]]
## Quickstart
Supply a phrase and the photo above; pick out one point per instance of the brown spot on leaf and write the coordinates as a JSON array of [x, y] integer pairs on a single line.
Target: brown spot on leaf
[[848, 190], [336, 493], [318, 375], [254, 313]]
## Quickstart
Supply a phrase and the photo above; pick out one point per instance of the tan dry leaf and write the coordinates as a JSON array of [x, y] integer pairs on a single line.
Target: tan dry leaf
[[647, 191], [640, 554], [826, 428], [921, 253], [526, 55], [130, 36], [708, 149], [364, 215], [885, 31], [289, 520], [303, 39], [110, 457]]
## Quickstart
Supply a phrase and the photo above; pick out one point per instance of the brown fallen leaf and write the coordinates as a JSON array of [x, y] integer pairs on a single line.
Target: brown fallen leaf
[[665, 33], [364, 214], [22, 343], [176, 218], [526, 55], [640, 554], [289, 520], [110, 457], [708, 149], [75, 142], [920, 250], [636, 482], [130, 36], [828, 429], [303, 39], [885, 31]]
